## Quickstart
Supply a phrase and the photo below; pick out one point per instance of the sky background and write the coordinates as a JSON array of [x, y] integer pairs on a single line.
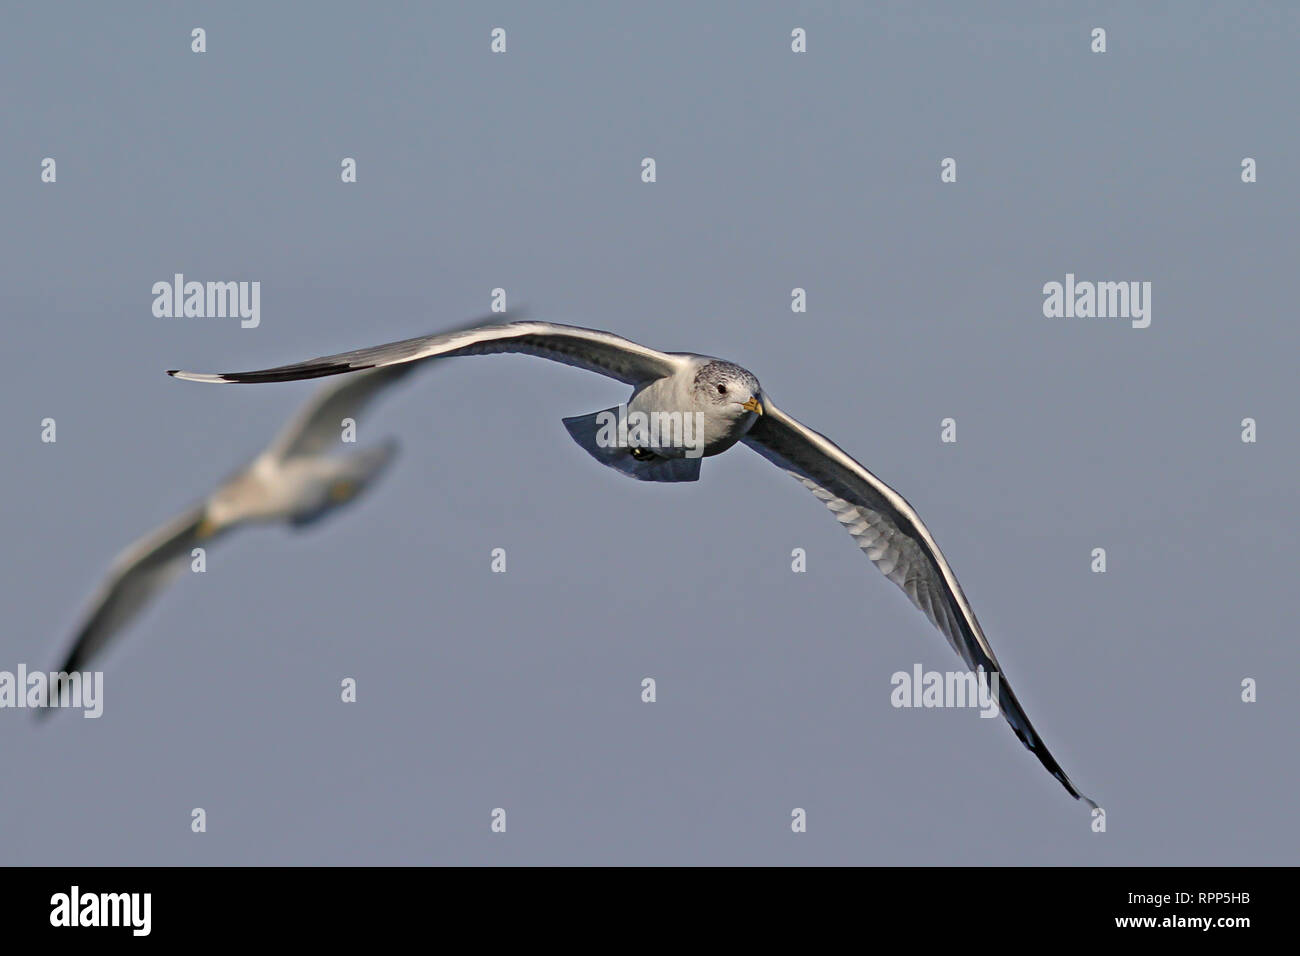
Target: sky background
[[775, 170]]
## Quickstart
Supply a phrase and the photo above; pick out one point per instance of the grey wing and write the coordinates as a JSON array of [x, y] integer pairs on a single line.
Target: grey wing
[[317, 427], [601, 352], [892, 535], [135, 576]]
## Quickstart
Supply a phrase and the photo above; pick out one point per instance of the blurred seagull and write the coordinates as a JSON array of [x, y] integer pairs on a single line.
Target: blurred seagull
[[732, 408], [295, 480]]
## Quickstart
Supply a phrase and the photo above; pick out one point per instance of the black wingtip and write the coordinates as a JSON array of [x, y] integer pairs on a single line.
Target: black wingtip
[[292, 373], [284, 373]]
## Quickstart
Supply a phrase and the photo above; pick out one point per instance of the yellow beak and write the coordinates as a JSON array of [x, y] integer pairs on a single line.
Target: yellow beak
[[753, 406]]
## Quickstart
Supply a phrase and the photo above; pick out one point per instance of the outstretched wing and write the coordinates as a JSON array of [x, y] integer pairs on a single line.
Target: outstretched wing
[[135, 576], [316, 427], [892, 535], [595, 351]]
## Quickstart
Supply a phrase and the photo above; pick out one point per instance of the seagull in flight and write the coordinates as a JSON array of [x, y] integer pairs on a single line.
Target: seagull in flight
[[730, 406], [294, 480]]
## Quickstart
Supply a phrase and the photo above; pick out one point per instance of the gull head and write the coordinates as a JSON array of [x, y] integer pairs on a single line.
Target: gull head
[[727, 392]]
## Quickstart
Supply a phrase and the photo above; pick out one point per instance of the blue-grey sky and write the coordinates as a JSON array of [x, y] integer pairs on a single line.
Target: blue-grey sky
[[775, 170]]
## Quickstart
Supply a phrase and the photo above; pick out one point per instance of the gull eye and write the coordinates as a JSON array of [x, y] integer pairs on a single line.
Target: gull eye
[[722, 390], [642, 454]]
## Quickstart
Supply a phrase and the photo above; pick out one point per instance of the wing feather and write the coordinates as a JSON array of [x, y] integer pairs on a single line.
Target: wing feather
[[894, 538], [134, 577], [590, 349], [316, 426]]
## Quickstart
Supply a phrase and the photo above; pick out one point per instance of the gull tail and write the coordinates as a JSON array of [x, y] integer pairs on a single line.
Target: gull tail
[[641, 464]]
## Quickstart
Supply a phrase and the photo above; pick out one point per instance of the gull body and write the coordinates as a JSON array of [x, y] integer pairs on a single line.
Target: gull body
[[705, 405], [734, 408], [294, 490], [295, 480]]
